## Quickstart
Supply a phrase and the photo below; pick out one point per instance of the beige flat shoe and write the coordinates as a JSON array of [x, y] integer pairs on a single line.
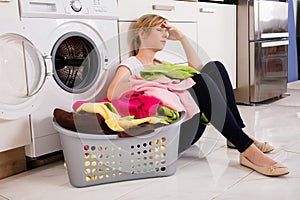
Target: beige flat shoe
[[277, 169], [264, 147]]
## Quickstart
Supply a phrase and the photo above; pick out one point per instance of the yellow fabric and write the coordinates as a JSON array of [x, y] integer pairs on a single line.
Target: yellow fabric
[[113, 120]]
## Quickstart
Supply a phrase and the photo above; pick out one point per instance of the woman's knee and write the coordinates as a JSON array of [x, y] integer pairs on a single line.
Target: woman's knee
[[217, 65]]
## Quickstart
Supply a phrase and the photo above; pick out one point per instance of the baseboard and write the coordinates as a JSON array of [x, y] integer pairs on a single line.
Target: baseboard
[[12, 162], [44, 160]]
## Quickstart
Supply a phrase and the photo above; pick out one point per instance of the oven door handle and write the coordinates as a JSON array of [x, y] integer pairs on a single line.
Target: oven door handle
[[273, 44]]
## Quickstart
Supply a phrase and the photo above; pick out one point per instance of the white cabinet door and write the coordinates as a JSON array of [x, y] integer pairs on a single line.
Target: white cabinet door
[[217, 35], [180, 14]]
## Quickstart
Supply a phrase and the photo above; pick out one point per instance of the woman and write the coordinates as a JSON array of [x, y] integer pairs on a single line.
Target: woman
[[213, 90]]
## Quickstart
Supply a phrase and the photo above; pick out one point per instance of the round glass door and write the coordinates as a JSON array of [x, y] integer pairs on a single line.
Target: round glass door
[[22, 75], [76, 62]]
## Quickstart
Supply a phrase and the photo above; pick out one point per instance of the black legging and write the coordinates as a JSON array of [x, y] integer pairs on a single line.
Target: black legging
[[214, 94]]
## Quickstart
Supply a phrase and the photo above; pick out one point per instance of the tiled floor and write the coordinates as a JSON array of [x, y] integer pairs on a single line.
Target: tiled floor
[[207, 170]]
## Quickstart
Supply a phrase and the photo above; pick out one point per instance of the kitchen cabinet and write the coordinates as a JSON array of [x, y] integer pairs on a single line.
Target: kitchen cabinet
[[217, 35], [180, 14], [170, 9], [214, 36]]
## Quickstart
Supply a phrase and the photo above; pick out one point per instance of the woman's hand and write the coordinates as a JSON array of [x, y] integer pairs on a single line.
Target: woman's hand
[[174, 33], [192, 57]]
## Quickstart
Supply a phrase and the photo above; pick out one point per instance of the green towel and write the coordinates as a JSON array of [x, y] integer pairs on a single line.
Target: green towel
[[169, 70], [167, 114], [170, 115]]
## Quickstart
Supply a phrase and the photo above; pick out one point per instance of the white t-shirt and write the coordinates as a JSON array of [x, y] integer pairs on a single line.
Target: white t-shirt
[[133, 64]]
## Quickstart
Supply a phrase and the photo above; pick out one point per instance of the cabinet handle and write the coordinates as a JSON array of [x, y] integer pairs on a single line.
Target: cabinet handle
[[207, 10], [274, 44], [163, 7]]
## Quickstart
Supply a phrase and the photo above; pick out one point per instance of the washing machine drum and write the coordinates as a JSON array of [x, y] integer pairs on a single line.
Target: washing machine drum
[[76, 63]]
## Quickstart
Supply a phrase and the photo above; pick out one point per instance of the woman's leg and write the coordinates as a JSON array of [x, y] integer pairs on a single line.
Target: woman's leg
[[212, 103], [190, 132], [218, 73]]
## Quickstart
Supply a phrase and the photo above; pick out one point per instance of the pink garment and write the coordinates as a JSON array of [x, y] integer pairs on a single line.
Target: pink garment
[[77, 104], [136, 104], [172, 93], [131, 103]]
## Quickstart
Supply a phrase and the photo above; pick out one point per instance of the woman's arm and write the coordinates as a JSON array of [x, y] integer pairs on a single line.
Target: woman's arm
[[119, 84], [192, 57]]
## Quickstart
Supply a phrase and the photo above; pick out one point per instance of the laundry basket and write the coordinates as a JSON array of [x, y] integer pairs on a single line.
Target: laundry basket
[[96, 159]]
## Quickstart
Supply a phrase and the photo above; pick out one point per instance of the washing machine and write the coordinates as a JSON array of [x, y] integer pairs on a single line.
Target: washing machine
[[15, 100], [75, 43]]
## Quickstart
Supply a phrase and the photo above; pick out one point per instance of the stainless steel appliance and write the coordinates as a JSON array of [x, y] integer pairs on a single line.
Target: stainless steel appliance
[[262, 50]]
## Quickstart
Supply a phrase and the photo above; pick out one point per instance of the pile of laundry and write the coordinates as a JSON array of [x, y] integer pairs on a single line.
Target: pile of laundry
[[157, 97]]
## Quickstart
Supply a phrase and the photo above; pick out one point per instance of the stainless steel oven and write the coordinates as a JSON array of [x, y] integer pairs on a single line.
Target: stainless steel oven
[[268, 69], [262, 64]]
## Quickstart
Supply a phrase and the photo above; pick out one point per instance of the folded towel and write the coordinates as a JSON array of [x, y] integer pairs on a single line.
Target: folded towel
[[169, 70]]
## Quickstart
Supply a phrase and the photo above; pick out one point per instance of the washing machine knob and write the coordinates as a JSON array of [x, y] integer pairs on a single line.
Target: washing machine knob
[[76, 5]]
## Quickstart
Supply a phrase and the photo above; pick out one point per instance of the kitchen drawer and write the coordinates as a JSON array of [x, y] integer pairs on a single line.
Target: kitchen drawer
[[170, 9], [14, 133]]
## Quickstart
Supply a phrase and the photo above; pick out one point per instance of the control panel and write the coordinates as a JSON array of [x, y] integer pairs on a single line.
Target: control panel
[[69, 8]]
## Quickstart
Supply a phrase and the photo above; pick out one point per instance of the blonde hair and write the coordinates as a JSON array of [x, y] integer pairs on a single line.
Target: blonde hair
[[145, 23]]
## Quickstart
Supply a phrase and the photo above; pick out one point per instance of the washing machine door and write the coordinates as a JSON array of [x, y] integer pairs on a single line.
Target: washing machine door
[[22, 75], [76, 62]]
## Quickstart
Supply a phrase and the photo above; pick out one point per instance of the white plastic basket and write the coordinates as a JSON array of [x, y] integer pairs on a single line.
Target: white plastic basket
[[96, 159]]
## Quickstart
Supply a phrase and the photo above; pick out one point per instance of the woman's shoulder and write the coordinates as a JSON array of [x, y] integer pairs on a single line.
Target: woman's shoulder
[[133, 64], [129, 61]]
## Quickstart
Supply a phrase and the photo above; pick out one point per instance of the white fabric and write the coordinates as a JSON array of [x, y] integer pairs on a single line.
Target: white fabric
[[133, 64]]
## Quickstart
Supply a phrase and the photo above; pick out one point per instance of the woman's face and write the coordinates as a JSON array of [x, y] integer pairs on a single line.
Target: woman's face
[[156, 39]]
